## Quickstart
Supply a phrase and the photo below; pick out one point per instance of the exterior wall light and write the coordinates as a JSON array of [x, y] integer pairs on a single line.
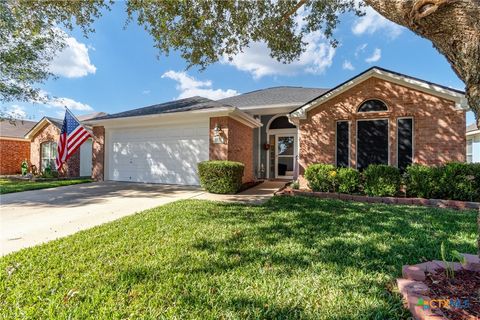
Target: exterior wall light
[[218, 134]]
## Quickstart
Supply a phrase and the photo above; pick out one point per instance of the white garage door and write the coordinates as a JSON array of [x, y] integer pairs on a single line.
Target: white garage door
[[162, 154]]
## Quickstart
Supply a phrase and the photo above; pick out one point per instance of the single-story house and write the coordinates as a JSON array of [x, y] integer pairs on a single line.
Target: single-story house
[[473, 143], [378, 116], [43, 139], [14, 148]]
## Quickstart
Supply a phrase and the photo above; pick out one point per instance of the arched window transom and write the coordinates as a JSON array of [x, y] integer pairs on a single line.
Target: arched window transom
[[373, 105], [281, 123]]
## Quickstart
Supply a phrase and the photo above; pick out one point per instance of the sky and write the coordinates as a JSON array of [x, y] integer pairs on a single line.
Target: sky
[[117, 68]]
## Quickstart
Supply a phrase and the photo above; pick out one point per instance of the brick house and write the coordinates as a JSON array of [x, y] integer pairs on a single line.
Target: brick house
[[43, 138], [14, 148], [379, 116]]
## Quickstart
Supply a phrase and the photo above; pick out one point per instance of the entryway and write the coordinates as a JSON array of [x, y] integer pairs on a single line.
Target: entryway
[[285, 153]]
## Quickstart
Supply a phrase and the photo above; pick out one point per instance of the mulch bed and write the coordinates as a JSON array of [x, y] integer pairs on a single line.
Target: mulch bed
[[463, 288]]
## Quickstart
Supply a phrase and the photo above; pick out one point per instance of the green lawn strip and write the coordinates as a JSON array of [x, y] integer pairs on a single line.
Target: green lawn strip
[[10, 186], [291, 258]]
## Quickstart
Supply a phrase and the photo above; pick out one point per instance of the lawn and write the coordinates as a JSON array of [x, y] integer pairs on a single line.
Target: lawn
[[9, 186], [290, 258]]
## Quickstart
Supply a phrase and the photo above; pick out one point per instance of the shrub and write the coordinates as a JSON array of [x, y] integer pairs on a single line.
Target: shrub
[[422, 181], [460, 181], [348, 180], [381, 180], [223, 177], [321, 177]]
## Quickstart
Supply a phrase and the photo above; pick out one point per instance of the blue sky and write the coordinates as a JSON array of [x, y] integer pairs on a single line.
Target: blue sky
[[117, 69]]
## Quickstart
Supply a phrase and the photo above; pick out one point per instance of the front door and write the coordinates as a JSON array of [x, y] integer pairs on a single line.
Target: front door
[[285, 152]]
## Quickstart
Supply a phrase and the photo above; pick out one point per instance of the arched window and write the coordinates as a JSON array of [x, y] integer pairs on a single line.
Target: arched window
[[373, 105], [281, 123], [48, 152]]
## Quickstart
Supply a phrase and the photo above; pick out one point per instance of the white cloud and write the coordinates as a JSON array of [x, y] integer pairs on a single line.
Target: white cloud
[[376, 55], [146, 92], [16, 111], [257, 61], [372, 22], [189, 87], [360, 49], [69, 103], [347, 65], [73, 61]]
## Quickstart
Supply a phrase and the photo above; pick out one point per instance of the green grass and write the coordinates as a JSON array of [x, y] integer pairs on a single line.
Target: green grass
[[291, 258], [9, 186]]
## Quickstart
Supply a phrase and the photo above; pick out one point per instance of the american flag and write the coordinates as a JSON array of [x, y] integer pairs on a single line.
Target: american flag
[[71, 138]]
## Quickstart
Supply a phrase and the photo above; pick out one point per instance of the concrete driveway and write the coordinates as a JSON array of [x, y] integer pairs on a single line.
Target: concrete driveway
[[33, 217]]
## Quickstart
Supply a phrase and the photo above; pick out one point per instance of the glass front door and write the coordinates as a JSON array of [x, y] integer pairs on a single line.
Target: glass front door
[[285, 153]]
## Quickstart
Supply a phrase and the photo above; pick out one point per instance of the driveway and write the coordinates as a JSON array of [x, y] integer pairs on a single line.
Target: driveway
[[32, 217]]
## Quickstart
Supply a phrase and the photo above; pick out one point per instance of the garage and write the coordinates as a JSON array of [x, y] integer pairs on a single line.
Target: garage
[[162, 153]]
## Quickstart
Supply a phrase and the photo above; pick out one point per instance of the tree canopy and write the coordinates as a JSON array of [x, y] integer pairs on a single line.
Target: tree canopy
[[205, 31]]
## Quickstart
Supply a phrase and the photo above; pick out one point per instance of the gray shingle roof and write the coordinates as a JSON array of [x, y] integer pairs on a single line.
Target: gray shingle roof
[[182, 105], [472, 127], [284, 95], [16, 130], [92, 115]]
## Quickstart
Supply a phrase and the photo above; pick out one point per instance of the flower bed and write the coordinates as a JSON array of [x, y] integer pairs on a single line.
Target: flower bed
[[436, 203], [430, 294]]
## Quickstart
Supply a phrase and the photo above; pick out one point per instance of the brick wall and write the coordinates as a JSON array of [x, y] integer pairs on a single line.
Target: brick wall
[[12, 153], [439, 129], [98, 155], [51, 133], [237, 146]]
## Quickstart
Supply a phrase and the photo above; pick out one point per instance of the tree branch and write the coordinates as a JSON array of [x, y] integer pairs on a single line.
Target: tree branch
[[294, 9]]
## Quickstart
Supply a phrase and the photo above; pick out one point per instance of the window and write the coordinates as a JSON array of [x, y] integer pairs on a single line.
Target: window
[[281, 123], [372, 106], [372, 142], [343, 133], [404, 142], [469, 150], [48, 152]]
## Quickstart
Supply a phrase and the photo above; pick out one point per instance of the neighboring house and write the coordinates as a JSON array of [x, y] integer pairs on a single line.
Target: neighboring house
[[379, 116], [43, 138], [14, 148], [473, 143]]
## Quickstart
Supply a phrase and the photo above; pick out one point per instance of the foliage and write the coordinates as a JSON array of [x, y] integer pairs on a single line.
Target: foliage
[[381, 180], [31, 35], [24, 167], [10, 186], [49, 173], [348, 180], [456, 181], [295, 185], [224, 177], [321, 177], [291, 258]]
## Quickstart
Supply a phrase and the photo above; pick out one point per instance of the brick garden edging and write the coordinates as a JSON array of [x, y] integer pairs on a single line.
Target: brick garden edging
[[436, 203], [412, 287]]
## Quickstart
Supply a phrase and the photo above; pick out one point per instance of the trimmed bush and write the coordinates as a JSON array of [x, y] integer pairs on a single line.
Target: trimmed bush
[[223, 177], [381, 180], [454, 181], [422, 181], [348, 180], [321, 177]]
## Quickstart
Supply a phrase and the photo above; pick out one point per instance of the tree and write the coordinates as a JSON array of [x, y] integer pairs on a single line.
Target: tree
[[31, 36], [208, 30]]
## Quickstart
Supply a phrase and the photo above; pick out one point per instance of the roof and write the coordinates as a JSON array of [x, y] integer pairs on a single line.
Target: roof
[[182, 105], [15, 129], [285, 95], [93, 115], [433, 88]]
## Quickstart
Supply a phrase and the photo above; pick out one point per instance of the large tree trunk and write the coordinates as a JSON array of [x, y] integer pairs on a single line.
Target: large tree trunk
[[453, 26]]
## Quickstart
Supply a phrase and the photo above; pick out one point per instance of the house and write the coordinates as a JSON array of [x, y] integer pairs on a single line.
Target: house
[[473, 143], [378, 116], [43, 138], [14, 148]]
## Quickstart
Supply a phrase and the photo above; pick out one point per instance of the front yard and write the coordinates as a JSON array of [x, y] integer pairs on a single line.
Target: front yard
[[293, 257], [10, 186]]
